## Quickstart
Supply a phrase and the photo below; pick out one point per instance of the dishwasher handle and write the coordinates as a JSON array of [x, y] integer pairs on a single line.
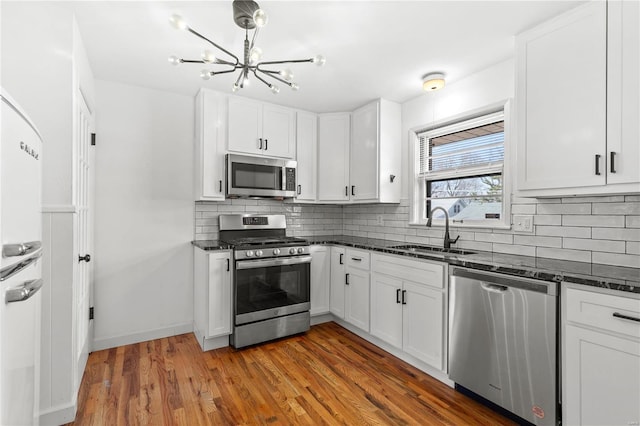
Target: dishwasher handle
[[494, 288], [506, 280]]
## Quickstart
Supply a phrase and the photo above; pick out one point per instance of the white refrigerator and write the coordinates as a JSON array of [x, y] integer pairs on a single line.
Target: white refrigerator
[[20, 265]]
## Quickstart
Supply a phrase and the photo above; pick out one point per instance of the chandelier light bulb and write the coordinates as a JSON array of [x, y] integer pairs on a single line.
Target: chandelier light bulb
[[275, 89], [245, 81], [174, 60], [286, 74], [208, 57], [260, 18], [235, 87], [294, 87], [255, 54], [205, 74], [319, 60], [178, 22]]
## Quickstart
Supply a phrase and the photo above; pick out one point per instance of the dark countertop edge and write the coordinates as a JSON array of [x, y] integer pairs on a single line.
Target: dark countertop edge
[[593, 275]]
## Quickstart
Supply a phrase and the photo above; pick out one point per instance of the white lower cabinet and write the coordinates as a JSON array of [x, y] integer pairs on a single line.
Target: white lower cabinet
[[408, 306], [337, 282], [212, 297], [320, 270], [601, 358], [350, 286], [356, 309]]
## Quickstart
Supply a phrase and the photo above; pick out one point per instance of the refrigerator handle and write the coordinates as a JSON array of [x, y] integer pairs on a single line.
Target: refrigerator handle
[[20, 249], [23, 292]]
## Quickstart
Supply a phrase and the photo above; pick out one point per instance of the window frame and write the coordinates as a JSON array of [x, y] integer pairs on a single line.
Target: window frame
[[466, 120]]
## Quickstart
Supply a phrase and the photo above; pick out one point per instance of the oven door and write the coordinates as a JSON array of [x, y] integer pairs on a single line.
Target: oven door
[[268, 288]]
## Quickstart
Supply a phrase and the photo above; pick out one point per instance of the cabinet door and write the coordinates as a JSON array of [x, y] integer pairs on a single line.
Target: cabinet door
[[623, 92], [278, 131], [561, 97], [333, 157], [306, 155], [337, 291], [245, 125], [320, 277], [357, 298], [363, 172], [386, 309], [423, 324], [219, 294], [602, 379], [211, 133]]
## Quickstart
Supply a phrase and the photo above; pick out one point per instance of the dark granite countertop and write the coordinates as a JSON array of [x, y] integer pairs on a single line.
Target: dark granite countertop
[[591, 274]]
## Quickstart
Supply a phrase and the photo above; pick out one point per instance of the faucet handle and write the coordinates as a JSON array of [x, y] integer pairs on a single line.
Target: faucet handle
[[455, 241]]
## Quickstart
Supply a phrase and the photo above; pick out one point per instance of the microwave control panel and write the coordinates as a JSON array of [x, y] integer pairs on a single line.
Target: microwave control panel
[[290, 179]]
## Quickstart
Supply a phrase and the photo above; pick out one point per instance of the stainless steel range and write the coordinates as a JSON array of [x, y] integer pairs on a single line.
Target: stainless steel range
[[271, 278]]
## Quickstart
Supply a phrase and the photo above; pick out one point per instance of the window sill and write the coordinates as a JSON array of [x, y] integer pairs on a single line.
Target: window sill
[[460, 225]]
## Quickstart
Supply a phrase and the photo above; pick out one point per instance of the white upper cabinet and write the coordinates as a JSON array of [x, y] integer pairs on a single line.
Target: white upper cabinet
[[333, 156], [211, 120], [306, 150], [261, 129], [623, 98], [577, 91]]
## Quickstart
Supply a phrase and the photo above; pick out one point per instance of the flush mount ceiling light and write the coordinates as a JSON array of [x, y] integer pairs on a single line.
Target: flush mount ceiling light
[[248, 16], [433, 81]]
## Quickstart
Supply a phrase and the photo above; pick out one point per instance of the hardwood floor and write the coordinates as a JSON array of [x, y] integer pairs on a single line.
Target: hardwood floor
[[326, 376]]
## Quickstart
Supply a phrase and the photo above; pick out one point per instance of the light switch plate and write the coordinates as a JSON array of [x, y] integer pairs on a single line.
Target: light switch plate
[[523, 222]]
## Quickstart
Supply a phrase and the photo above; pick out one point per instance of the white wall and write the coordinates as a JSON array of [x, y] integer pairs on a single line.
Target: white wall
[[144, 215]]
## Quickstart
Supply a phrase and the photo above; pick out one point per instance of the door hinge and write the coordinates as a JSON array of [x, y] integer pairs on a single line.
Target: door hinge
[[91, 313], [93, 139]]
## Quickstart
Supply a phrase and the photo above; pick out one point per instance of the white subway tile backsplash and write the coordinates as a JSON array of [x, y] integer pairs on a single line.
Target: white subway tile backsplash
[[632, 261], [627, 208], [594, 245], [633, 247], [563, 231], [621, 234], [494, 238], [589, 220], [632, 222], [527, 240], [577, 208], [547, 219], [564, 254], [523, 209], [514, 249]]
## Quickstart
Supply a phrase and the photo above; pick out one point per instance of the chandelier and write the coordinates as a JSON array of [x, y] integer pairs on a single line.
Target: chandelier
[[247, 15]]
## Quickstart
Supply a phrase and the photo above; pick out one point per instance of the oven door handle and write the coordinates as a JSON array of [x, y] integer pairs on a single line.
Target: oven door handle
[[265, 263]]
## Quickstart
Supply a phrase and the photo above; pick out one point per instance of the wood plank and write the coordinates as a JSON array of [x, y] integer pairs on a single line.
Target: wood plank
[[327, 376]]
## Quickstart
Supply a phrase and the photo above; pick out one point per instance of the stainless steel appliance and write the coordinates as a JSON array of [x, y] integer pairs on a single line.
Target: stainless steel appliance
[[20, 266], [249, 176], [271, 278], [503, 341]]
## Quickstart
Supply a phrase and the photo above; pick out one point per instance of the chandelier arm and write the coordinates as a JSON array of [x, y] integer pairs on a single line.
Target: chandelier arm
[[253, 39], [192, 61], [222, 72], [271, 74], [194, 32], [291, 61], [240, 75], [261, 79]]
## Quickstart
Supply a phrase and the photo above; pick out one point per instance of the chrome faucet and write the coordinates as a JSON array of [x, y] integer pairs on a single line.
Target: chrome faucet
[[447, 240]]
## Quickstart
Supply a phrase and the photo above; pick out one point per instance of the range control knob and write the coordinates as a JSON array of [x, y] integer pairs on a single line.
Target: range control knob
[[300, 250], [249, 253], [292, 250], [276, 251], [258, 253]]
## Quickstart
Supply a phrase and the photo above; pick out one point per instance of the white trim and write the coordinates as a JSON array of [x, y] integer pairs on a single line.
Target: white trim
[[59, 208], [60, 414], [128, 339]]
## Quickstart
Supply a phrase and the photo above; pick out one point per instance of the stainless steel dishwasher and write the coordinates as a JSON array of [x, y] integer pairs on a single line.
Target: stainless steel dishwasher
[[503, 341]]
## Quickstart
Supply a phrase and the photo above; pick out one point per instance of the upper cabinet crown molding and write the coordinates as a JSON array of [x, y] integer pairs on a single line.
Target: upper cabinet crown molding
[[577, 102]]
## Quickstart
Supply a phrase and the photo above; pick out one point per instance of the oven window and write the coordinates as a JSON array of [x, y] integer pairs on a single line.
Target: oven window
[[271, 287], [256, 176]]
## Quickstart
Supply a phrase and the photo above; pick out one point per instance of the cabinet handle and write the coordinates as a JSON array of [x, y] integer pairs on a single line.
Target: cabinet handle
[[299, 189], [398, 296], [356, 259], [85, 258], [353, 190], [266, 144], [625, 317], [598, 164], [260, 146], [404, 297], [346, 191], [612, 162], [227, 265], [341, 259], [220, 185], [346, 279]]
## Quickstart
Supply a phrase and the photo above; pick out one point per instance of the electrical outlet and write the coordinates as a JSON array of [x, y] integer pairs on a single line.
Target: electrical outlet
[[379, 220], [523, 222]]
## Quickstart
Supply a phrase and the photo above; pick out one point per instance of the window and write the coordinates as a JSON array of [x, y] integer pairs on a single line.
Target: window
[[459, 169]]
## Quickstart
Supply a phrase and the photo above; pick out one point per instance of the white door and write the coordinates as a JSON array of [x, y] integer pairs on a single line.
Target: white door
[[363, 173], [386, 308], [319, 279], [278, 131], [333, 157], [423, 323], [245, 126], [220, 299], [83, 198], [336, 292], [306, 154], [357, 298]]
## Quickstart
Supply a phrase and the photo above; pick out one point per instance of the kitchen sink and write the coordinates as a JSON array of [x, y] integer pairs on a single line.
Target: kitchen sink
[[431, 249]]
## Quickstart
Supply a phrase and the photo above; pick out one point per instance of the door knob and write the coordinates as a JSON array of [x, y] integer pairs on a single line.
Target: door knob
[[86, 258]]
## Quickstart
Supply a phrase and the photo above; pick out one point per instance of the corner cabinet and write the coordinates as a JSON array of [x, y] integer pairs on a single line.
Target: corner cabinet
[[212, 298], [601, 358], [306, 155], [260, 128], [211, 133], [408, 301], [577, 120]]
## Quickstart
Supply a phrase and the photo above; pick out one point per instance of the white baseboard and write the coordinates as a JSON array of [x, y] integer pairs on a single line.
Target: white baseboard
[[207, 344], [159, 333], [320, 318], [59, 415]]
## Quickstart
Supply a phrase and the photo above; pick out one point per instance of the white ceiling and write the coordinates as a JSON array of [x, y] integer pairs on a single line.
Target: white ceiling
[[373, 48]]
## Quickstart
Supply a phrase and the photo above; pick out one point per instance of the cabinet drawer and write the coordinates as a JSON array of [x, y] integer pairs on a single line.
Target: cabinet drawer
[[418, 271], [358, 259], [603, 311]]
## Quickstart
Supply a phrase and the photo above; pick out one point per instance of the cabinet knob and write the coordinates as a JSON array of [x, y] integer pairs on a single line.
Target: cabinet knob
[[86, 258]]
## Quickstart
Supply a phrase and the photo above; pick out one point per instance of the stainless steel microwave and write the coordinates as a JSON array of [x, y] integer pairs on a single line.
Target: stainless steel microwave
[[249, 176]]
